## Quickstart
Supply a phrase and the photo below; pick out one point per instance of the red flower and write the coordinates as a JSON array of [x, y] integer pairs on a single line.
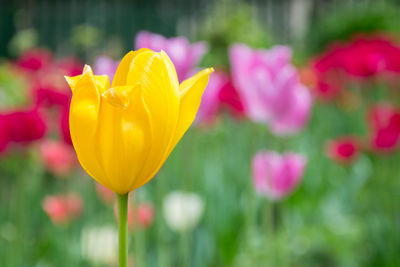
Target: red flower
[[229, 98], [24, 126], [50, 96], [64, 125], [384, 124], [343, 149], [58, 157], [220, 93], [144, 214], [3, 134], [63, 208], [362, 58], [34, 60]]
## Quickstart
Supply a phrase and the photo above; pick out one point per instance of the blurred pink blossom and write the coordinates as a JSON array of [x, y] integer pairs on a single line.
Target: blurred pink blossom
[[105, 65], [144, 214], [184, 55], [63, 208], [275, 175], [384, 127], [270, 88], [58, 157], [34, 60], [219, 94], [3, 134], [141, 215], [343, 150], [361, 58], [24, 126]]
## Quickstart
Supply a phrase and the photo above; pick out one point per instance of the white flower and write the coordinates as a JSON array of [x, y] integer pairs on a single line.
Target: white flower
[[100, 244], [182, 211]]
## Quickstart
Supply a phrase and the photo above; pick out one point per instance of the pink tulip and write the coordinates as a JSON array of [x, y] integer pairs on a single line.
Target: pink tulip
[[34, 60], [361, 58], [219, 94], [24, 126], [270, 88], [210, 101], [141, 215], [343, 149], [63, 208], [384, 126], [276, 176], [184, 55], [144, 214], [105, 65], [58, 157]]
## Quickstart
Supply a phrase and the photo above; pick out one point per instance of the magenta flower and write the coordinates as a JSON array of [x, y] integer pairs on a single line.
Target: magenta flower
[[344, 149], [105, 65], [24, 126], [219, 94], [63, 208], [270, 87], [58, 157], [363, 57], [276, 176], [184, 55]]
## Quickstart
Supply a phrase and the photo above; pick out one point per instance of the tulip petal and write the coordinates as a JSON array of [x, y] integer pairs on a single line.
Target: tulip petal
[[123, 136], [83, 119], [124, 66], [159, 82], [191, 91], [119, 96]]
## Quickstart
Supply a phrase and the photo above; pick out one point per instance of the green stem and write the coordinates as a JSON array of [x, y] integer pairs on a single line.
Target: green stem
[[123, 230]]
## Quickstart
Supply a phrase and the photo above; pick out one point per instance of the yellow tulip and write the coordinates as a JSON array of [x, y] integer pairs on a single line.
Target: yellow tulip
[[124, 133]]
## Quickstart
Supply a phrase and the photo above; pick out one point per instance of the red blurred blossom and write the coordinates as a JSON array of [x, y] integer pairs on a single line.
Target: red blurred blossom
[[144, 214], [58, 157], [64, 125], [219, 94], [3, 134], [141, 215], [277, 175], [48, 96], [63, 208], [362, 58], [34, 60], [343, 149], [384, 125], [24, 126], [230, 99], [105, 194]]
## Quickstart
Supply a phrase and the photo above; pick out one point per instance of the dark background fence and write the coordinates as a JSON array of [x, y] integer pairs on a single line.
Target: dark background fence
[[55, 19]]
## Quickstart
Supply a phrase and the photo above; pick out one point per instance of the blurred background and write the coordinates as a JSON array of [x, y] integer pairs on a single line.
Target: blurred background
[[293, 159]]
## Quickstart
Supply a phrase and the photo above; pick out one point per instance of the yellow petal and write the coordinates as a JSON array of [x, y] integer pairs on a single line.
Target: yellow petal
[[159, 82], [124, 66], [191, 91], [84, 110], [119, 96], [123, 139]]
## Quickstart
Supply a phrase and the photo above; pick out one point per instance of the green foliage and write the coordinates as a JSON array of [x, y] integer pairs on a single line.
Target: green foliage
[[13, 90], [228, 24]]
